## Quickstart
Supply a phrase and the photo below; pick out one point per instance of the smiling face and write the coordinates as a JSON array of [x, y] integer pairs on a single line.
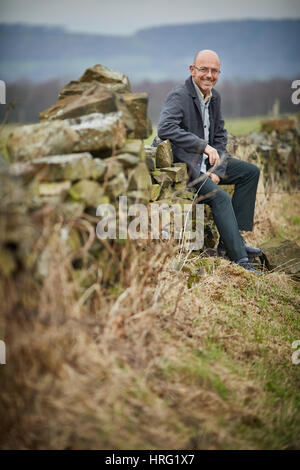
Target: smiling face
[[205, 70]]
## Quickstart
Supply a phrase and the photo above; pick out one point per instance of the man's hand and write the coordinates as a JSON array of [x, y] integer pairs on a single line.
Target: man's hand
[[213, 177], [213, 155]]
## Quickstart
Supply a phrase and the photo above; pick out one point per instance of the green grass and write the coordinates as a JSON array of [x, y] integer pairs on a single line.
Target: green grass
[[275, 403], [242, 126], [234, 126]]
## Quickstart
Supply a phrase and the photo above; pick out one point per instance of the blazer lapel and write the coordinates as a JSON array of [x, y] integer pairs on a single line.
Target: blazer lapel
[[212, 118], [196, 100], [191, 89], [192, 92]]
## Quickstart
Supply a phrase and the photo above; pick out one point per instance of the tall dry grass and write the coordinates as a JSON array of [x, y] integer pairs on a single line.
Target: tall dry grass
[[70, 349], [144, 361]]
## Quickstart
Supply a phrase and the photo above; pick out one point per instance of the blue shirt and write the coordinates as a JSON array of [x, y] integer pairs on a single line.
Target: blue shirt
[[204, 104]]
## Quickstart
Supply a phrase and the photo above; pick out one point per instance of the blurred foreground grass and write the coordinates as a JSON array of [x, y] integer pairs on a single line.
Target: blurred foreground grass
[[162, 359], [158, 361]]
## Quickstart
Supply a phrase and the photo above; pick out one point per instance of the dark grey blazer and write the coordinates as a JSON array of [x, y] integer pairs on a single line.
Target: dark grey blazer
[[181, 122]]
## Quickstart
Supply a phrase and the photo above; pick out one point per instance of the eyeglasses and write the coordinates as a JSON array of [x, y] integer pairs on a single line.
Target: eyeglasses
[[205, 70]]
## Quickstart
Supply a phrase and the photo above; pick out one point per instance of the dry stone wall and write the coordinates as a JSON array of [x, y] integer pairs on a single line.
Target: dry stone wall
[[89, 150], [89, 146], [275, 149]]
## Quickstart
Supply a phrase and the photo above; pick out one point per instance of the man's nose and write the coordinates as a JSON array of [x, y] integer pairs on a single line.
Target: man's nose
[[209, 74]]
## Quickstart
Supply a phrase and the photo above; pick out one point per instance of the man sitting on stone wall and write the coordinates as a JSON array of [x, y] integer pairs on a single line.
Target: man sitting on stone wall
[[191, 119]]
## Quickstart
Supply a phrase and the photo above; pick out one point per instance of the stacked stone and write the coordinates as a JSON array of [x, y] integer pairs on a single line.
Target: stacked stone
[[89, 147], [275, 149], [87, 150], [169, 179]]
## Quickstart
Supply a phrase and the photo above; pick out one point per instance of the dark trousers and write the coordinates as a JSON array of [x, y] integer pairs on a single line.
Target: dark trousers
[[232, 215]]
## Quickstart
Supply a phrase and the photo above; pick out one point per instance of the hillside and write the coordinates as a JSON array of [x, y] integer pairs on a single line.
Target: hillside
[[249, 49]]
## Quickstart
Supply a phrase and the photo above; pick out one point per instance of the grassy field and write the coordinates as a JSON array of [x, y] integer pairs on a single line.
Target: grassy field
[[242, 126], [234, 126]]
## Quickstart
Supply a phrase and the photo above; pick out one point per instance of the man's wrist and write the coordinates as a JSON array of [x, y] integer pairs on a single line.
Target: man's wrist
[[205, 145]]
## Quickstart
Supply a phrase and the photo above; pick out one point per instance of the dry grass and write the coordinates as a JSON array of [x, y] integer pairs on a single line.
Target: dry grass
[[151, 360], [276, 213], [154, 365]]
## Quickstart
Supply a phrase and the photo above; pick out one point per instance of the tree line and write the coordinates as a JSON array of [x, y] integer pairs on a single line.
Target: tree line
[[239, 98]]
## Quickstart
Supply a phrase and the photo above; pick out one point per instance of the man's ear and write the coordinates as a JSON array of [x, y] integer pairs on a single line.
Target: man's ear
[[192, 70]]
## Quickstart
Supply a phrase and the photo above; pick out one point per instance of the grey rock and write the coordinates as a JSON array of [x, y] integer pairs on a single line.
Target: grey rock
[[96, 99], [177, 174], [76, 87], [161, 177], [89, 192], [150, 162], [164, 154], [69, 167], [282, 255], [139, 178], [137, 104], [117, 186], [155, 192], [127, 160], [54, 189], [92, 132], [138, 197], [134, 147], [103, 74]]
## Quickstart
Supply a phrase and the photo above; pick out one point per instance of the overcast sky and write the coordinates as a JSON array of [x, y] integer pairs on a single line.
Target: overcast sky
[[125, 17]]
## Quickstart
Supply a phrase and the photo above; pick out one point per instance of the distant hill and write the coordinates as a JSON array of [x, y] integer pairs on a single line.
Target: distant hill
[[249, 49]]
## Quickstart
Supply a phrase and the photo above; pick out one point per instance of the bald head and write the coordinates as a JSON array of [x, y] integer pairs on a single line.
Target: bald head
[[205, 70], [206, 54]]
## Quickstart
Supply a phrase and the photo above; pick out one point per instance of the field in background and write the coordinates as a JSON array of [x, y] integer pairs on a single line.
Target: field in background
[[234, 126], [242, 126]]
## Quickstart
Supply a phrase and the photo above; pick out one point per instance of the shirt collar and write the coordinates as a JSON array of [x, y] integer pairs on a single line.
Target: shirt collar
[[207, 97]]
